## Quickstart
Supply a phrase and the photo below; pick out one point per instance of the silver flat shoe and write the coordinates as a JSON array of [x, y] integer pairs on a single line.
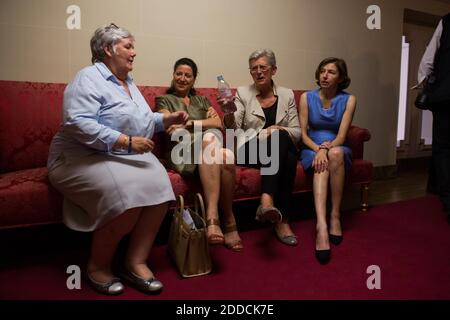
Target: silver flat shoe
[[271, 214], [111, 288], [290, 240], [151, 285]]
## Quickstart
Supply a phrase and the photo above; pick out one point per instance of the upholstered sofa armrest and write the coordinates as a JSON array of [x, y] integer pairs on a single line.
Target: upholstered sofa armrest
[[356, 137]]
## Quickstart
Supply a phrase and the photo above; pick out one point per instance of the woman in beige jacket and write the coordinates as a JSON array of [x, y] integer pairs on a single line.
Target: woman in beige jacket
[[268, 139]]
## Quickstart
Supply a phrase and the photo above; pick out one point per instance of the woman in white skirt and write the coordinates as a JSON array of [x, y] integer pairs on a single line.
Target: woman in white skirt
[[101, 161]]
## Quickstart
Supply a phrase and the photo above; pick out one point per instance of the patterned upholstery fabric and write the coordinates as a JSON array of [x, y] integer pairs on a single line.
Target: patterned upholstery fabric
[[26, 198], [30, 114]]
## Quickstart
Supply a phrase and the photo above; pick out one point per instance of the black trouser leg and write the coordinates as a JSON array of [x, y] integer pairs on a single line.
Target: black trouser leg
[[441, 153], [288, 169], [431, 183], [281, 183]]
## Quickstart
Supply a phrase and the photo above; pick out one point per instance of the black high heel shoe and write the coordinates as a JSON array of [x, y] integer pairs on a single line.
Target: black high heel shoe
[[323, 256], [334, 239]]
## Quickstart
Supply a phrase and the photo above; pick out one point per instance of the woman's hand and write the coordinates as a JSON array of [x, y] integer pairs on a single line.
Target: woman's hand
[[265, 133], [320, 162], [327, 144], [226, 105], [273, 128], [141, 144], [177, 117], [171, 129], [212, 113]]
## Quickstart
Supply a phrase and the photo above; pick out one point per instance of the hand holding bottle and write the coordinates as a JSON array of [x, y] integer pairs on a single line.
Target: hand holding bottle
[[225, 96]]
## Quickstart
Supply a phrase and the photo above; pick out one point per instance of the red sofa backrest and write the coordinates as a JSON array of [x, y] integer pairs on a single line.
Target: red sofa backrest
[[30, 114]]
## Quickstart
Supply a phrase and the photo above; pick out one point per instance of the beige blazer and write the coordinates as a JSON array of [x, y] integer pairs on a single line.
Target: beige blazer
[[249, 113]]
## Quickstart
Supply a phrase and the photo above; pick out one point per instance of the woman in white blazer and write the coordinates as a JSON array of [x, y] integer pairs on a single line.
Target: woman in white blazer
[[268, 119]]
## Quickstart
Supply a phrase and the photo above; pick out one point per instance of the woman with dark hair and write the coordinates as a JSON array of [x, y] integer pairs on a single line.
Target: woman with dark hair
[[217, 174], [325, 117]]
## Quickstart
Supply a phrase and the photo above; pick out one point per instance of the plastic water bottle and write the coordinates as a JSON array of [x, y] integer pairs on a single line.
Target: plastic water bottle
[[225, 93]]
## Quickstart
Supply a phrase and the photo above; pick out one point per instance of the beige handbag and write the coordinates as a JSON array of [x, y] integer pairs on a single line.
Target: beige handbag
[[188, 241]]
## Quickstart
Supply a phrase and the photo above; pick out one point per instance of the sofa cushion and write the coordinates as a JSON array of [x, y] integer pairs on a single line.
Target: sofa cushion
[[26, 198]]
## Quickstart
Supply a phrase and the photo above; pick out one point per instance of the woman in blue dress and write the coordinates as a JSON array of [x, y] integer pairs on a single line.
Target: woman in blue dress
[[325, 117]]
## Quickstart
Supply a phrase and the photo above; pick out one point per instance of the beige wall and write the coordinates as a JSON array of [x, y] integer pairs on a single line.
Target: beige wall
[[219, 35]]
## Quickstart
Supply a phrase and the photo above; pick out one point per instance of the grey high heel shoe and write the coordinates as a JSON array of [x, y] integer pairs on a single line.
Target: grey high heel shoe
[[270, 214], [290, 240]]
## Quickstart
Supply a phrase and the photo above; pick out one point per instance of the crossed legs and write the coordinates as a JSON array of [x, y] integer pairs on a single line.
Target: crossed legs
[[217, 174], [277, 188]]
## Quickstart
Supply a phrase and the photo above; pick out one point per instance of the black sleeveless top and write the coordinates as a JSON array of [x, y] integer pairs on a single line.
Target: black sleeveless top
[[271, 114]]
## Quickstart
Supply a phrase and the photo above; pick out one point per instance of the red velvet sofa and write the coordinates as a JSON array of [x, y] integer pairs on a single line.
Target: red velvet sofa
[[30, 114]]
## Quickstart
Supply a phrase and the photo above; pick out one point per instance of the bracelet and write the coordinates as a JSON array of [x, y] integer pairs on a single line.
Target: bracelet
[[323, 147], [130, 141]]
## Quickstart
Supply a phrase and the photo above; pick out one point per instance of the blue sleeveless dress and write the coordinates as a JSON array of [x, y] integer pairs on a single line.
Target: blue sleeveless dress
[[324, 125]]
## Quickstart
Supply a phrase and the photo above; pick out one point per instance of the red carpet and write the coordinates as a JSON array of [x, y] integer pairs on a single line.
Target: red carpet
[[409, 241]]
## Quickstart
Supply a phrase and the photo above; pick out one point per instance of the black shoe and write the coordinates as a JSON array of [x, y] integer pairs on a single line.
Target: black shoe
[[323, 256], [152, 285], [334, 239]]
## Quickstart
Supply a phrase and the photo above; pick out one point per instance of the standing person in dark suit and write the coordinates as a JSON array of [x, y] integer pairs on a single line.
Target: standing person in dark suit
[[436, 61]]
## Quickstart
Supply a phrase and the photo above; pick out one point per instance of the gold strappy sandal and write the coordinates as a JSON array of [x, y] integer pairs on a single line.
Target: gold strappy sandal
[[235, 245], [214, 238]]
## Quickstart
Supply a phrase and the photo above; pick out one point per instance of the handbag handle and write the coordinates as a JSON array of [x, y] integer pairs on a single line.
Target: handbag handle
[[180, 204], [199, 202]]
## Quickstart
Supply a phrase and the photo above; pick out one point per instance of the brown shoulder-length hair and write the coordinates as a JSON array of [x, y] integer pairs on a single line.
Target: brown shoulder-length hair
[[344, 79]]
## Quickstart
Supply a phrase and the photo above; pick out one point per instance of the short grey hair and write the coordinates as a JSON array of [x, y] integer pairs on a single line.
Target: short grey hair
[[264, 53], [106, 36]]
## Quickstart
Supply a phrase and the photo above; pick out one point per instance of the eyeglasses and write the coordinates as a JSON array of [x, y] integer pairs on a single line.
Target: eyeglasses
[[255, 69]]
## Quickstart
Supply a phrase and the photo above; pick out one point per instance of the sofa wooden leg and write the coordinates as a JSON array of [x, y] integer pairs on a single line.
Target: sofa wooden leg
[[364, 197]]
